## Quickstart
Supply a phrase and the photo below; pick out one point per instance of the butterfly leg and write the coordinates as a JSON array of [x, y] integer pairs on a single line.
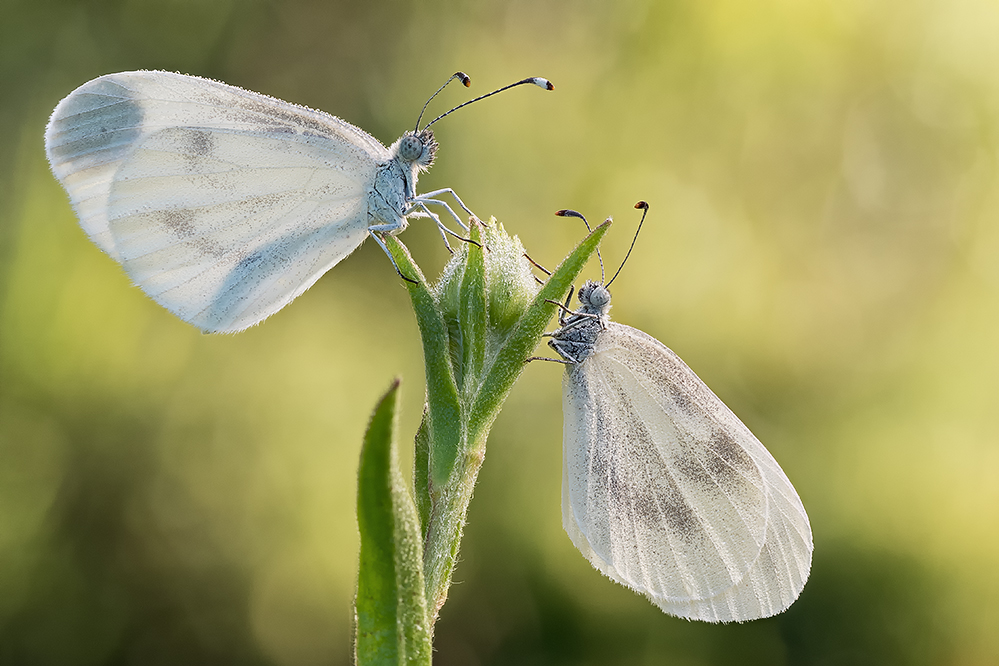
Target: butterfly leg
[[437, 202], [448, 190], [539, 267], [443, 228], [376, 234], [565, 306], [429, 199], [568, 325], [582, 316], [545, 358], [421, 203], [419, 209]]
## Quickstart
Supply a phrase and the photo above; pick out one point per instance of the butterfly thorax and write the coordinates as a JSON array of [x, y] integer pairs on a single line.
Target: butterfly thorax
[[394, 187], [574, 339]]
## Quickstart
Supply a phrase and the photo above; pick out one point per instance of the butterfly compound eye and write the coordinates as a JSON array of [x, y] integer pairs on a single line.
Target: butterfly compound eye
[[593, 296], [410, 148], [599, 297]]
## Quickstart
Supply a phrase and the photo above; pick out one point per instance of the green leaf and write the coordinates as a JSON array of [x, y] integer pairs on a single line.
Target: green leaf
[[392, 623]]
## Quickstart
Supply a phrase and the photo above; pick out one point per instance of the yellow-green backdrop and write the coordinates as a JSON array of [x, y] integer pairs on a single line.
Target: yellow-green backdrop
[[822, 248]]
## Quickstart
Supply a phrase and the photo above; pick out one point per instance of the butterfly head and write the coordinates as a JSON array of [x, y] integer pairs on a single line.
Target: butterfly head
[[417, 148], [594, 298]]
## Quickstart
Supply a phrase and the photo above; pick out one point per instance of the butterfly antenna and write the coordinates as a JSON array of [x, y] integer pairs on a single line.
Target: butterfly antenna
[[568, 212], [465, 80], [644, 207], [536, 80]]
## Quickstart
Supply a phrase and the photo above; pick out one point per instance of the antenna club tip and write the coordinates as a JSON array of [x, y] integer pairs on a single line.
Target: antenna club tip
[[465, 79], [642, 205], [568, 212], [543, 83]]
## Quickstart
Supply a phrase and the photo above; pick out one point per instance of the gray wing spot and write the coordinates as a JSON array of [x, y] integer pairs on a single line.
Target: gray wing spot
[[729, 463], [632, 469], [181, 223], [195, 145], [682, 399], [95, 125], [676, 511], [271, 115], [711, 459], [716, 465], [199, 143], [687, 465], [285, 116]]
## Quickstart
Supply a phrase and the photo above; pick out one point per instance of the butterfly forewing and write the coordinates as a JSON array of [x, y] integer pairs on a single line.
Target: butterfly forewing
[[219, 202], [647, 488], [667, 492]]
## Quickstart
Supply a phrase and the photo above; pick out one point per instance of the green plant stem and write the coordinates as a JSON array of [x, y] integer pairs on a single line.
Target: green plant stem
[[457, 422]]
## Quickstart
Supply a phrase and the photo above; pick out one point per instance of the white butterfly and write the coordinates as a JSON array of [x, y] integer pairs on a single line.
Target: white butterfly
[[664, 489], [222, 204]]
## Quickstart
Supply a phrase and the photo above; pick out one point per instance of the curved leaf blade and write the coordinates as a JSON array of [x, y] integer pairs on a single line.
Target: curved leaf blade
[[391, 607]]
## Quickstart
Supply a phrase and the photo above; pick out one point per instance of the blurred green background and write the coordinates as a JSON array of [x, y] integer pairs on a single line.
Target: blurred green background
[[822, 248]]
